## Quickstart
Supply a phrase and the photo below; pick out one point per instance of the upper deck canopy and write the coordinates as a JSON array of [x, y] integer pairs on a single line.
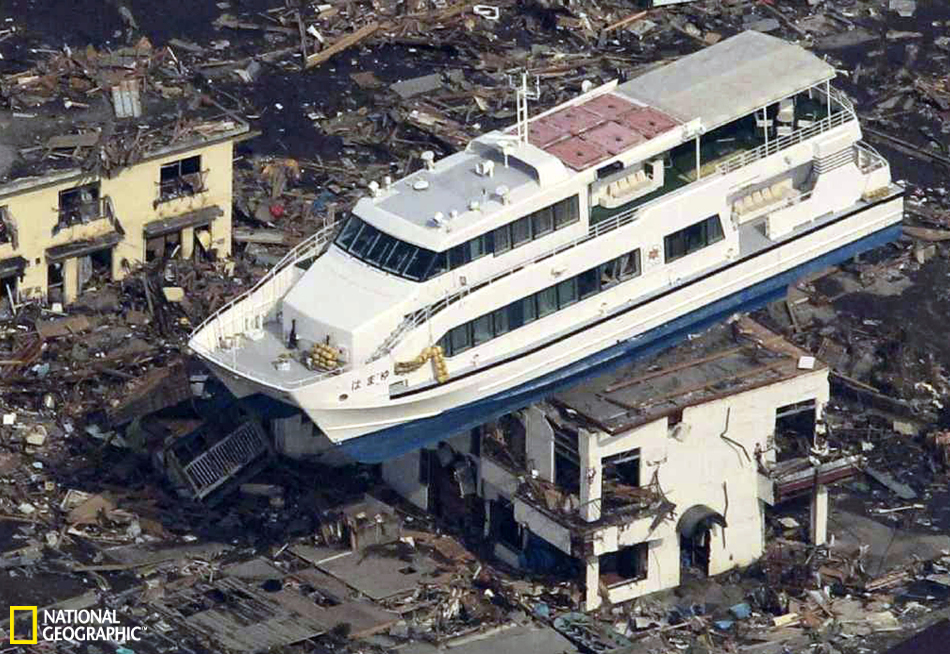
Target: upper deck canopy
[[730, 79]]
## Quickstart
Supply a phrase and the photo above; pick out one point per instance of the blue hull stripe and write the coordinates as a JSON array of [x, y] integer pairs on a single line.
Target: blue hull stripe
[[400, 439]]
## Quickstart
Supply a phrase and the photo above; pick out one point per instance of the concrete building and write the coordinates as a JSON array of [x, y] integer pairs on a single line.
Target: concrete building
[[633, 480], [125, 173]]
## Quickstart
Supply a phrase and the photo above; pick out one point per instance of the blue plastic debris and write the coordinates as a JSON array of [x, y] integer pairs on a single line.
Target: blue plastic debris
[[724, 625], [741, 611]]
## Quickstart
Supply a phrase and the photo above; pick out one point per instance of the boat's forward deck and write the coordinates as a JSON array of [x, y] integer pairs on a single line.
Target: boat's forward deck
[[265, 359]]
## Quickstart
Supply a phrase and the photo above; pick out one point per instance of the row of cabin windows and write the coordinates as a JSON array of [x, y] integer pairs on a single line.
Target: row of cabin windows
[[388, 253], [692, 238], [543, 303]]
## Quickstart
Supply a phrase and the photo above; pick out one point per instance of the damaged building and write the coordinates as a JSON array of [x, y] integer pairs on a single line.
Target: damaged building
[[638, 479], [108, 160]]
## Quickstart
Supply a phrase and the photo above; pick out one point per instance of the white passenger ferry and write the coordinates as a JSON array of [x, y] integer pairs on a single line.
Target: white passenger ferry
[[602, 229]]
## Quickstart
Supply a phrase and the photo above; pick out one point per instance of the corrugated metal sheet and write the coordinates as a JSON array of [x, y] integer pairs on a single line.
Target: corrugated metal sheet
[[125, 98]]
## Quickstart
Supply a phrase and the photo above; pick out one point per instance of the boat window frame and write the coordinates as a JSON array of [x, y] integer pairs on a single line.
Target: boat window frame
[[527, 309]]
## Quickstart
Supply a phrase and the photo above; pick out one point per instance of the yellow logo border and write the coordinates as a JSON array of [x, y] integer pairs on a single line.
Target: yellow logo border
[[13, 610]]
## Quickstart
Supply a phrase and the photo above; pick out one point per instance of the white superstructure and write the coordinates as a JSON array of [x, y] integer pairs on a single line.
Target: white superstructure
[[625, 218]]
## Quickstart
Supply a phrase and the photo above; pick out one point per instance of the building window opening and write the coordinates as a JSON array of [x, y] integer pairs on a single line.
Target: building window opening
[[567, 462], [505, 528], [7, 294], [180, 179], [54, 282], [623, 468], [7, 228], [795, 429], [78, 205], [100, 267], [625, 565], [161, 247]]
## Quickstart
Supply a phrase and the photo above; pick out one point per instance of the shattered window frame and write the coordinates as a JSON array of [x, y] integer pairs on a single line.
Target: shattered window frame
[[181, 178], [76, 209], [8, 232]]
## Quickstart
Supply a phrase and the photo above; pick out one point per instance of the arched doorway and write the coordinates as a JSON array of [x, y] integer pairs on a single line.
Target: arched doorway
[[693, 529]]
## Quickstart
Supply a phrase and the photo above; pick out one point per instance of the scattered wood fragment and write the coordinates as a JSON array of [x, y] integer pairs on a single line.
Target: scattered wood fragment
[[341, 44]]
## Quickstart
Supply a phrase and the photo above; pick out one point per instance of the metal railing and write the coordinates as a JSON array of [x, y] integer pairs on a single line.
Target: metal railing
[[782, 142], [222, 460], [844, 115], [185, 185], [82, 213], [869, 159], [249, 310]]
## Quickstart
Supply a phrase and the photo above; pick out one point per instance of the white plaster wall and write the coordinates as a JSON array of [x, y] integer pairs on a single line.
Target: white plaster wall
[[693, 470], [539, 443], [402, 475], [498, 479], [553, 532]]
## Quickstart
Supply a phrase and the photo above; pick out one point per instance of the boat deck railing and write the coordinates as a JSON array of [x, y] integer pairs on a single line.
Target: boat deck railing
[[845, 114], [869, 159], [250, 310]]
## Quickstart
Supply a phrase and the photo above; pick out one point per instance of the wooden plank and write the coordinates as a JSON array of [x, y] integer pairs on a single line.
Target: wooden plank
[[341, 44]]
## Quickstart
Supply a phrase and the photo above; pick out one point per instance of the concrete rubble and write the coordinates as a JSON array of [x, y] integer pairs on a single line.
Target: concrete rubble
[[128, 481]]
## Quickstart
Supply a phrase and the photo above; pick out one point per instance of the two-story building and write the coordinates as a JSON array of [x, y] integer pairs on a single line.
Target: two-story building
[[108, 160], [659, 470]]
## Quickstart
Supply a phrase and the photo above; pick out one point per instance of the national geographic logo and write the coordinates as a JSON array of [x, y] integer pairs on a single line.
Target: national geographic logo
[[83, 625], [34, 632]]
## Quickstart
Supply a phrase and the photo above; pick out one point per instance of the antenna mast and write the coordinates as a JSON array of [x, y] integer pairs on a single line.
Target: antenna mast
[[523, 93]]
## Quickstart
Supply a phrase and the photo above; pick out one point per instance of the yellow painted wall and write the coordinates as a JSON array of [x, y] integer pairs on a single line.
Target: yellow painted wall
[[133, 192]]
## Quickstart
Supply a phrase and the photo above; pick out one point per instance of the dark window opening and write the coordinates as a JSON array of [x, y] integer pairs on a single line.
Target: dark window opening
[[54, 282], [78, 206], [567, 472], [623, 468], [7, 291], [692, 238], [795, 429], [7, 228], [625, 565], [181, 178], [504, 526], [160, 247], [95, 269]]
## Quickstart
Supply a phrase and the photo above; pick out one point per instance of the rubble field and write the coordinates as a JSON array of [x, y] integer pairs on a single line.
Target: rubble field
[[100, 400]]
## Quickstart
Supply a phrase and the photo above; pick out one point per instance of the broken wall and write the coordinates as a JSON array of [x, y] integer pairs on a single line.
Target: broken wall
[[695, 465]]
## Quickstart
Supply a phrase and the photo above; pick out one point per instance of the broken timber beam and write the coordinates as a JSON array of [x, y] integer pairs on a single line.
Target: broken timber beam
[[340, 45], [625, 21]]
